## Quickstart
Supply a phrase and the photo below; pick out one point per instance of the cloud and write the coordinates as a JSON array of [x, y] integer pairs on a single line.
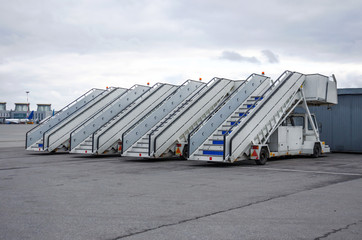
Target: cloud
[[353, 81], [271, 57], [71, 46], [234, 56]]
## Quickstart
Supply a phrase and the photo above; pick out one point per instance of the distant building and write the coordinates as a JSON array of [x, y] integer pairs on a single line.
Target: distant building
[[43, 111], [2, 106], [340, 125], [3, 112], [22, 110]]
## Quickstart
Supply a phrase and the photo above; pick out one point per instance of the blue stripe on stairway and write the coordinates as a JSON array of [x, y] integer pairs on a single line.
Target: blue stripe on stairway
[[223, 132], [218, 153], [217, 142]]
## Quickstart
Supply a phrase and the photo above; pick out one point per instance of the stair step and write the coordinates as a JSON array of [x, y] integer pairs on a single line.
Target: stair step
[[139, 147], [219, 137], [224, 131], [239, 113], [211, 147], [141, 144], [85, 147], [215, 142]]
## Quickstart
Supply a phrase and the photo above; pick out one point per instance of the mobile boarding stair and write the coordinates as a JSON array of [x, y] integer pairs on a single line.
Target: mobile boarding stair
[[106, 138], [79, 137], [159, 140], [133, 134], [57, 137], [252, 123], [33, 139]]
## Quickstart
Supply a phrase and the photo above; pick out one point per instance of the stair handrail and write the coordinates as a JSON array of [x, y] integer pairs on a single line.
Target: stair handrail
[[102, 110], [285, 73], [154, 109], [60, 111]]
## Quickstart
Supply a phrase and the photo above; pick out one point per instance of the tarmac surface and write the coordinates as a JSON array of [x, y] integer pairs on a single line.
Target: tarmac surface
[[66, 196]]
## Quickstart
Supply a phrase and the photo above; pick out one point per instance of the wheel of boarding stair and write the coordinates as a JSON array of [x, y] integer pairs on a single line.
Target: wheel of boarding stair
[[316, 150], [185, 152], [263, 157]]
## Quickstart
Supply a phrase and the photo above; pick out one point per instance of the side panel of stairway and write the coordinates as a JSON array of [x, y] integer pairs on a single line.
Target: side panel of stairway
[[109, 136], [136, 132], [36, 133], [93, 124], [190, 117], [54, 138], [254, 86], [243, 135]]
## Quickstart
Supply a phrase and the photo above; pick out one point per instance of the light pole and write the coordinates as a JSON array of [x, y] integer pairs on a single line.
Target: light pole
[[27, 100]]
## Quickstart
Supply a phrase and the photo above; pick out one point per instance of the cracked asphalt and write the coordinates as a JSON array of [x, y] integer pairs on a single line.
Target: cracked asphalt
[[66, 196]]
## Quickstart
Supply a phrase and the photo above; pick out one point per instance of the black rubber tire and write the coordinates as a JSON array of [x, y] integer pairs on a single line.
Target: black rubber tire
[[317, 151], [185, 152], [263, 157]]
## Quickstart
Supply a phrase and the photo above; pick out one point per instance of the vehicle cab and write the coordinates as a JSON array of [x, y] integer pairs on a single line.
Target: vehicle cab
[[297, 135]]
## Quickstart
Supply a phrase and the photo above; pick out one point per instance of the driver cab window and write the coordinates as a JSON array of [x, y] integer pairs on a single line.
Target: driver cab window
[[310, 125], [294, 121]]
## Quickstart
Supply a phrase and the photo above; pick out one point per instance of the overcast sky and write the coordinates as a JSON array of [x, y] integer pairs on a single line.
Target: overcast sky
[[58, 50]]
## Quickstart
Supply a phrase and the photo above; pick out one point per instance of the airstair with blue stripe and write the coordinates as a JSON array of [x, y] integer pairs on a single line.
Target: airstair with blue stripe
[[206, 140], [255, 119]]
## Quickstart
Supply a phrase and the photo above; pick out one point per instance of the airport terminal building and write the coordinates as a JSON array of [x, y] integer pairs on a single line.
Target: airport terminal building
[[22, 110]]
